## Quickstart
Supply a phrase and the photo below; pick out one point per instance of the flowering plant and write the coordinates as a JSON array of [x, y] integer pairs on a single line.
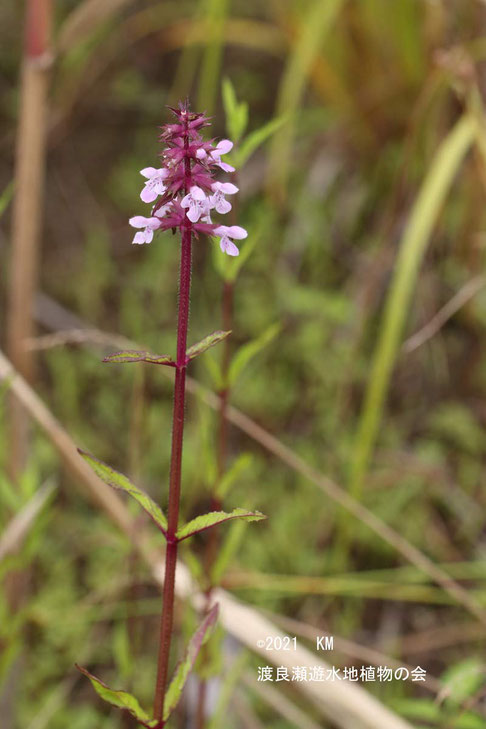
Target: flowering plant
[[184, 192], [186, 186]]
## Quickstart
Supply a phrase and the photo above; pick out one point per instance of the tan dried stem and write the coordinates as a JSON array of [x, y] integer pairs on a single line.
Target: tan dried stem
[[27, 209]]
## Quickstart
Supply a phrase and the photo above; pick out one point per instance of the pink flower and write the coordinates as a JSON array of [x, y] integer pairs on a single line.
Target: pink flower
[[155, 183], [197, 202], [222, 147], [217, 200], [226, 232], [148, 224]]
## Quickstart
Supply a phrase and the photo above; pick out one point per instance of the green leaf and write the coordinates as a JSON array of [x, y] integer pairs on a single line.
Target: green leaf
[[118, 481], [256, 138], [205, 344], [120, 699], [462, 680], [185, 666], [250, 350], [236, 113], [133, 355], [234, 471], [206, 521]]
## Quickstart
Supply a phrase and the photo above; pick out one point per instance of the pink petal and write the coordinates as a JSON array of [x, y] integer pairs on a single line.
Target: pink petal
[[201, 153], [226, 167], [221, 230], [227, 188], [148, 172], [138, 221], [224, 146], [193, 214], [197, 193], [231, 249], [186, 201], [223, 206], [149, 234], [237, 232], [148, 194], [139, 238], [153, 223]]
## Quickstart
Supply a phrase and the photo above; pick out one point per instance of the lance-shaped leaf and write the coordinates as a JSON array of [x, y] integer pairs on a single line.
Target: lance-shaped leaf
[[134, 355], [118, 481], [206, 521], [205, 343], [120, 699], [184, 668]]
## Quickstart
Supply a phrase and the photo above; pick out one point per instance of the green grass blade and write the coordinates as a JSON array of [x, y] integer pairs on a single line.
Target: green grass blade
[[215, 16], [316, 22], [247, 351], [414, 243]]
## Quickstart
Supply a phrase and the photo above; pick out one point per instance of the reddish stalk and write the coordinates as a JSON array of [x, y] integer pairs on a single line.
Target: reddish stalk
[[176, 461]]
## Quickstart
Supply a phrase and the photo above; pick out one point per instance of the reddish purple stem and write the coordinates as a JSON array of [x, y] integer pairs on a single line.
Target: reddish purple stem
[[176, 458]]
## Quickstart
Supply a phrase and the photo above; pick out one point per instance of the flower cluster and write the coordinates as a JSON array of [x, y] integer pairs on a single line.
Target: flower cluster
[[184, 191]]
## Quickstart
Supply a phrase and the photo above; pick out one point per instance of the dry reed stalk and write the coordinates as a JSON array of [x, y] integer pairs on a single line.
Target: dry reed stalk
[[27, 209]]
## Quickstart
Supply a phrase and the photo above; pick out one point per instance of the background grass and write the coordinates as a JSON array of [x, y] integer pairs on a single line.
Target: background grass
[[368, 208]]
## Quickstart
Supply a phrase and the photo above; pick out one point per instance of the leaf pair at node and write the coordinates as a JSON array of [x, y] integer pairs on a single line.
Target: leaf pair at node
[[118, 481], [134, 355], [126, 702]]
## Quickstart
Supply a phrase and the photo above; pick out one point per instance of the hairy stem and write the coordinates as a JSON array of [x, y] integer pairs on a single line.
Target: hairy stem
[[175, 464]]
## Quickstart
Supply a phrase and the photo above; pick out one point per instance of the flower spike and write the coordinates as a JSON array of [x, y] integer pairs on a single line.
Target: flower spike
[[184, 190]]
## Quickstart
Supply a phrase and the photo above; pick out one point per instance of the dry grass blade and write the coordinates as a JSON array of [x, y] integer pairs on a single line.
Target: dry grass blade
[[347, 705], [19, 526], [465, 294], [85, 19]]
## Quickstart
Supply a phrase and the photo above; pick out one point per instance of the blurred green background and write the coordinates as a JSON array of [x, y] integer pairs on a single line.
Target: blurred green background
[[364, 204]]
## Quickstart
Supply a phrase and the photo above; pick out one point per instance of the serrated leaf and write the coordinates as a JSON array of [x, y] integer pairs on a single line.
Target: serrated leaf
[[182, 671], [250, 350], [206, 521], [134, 355], [206, 343], [118, 481], [234, 471], [120, 699], [255, 139]]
